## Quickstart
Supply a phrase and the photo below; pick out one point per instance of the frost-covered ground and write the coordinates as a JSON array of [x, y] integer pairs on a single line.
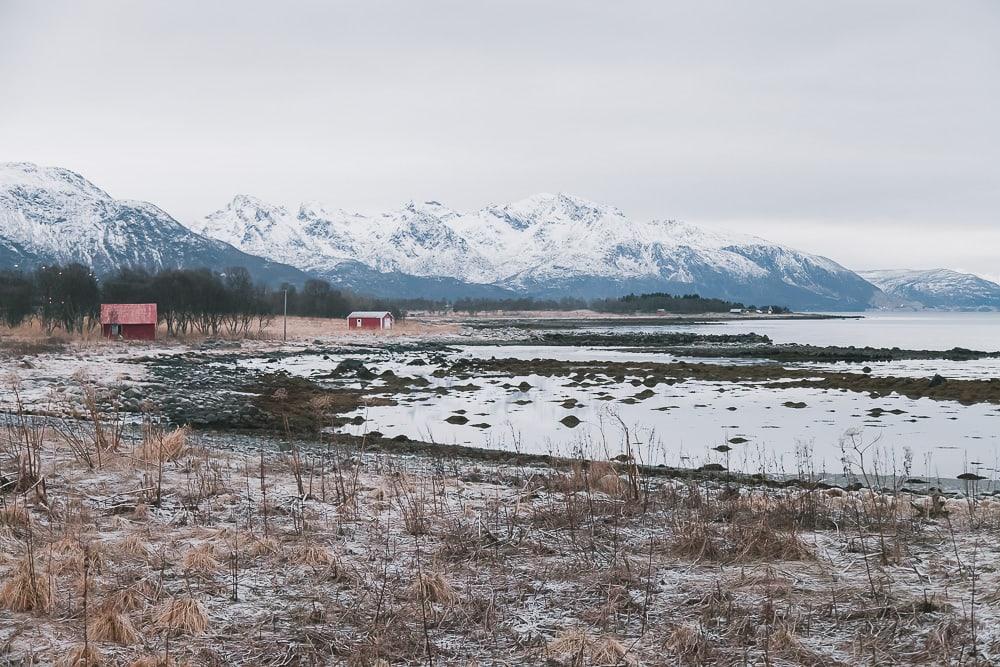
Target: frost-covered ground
[[135, 545], [231, 552]]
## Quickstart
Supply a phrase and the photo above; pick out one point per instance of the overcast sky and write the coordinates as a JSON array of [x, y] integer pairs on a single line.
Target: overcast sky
[[867, 131]]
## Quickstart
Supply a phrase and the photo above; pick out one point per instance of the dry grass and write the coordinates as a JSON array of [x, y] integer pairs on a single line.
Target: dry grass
[[27, 590], [689, 645], [433, 587], [135, 546], [83, 656], [153, 661], [312, 555], [200, 559], [182, 616], [15, 517], [577, 647], [165, 446], [113, 627]]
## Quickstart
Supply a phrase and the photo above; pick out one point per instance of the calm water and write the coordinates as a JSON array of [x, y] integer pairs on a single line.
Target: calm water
[[685, 423], [915, 331]]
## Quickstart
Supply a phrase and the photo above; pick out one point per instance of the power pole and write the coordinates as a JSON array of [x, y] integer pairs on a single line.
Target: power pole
[[284, 335]]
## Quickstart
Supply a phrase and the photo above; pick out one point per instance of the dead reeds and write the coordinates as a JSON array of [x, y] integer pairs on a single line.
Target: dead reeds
[[110, 626], [27, 590], [182, 616], [163, 447]]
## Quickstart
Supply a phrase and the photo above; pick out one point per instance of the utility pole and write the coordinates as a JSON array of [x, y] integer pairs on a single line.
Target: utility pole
[[284, 335]]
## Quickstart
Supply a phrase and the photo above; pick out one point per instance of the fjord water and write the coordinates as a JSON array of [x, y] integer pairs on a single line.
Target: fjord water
[[905, 330], [686, 424]]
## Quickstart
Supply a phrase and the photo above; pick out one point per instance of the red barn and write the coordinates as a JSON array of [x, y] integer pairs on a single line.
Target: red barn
[[129, 321], [370, 319]]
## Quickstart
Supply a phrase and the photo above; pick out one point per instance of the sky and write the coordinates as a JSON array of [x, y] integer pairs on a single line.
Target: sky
[[865, 131]]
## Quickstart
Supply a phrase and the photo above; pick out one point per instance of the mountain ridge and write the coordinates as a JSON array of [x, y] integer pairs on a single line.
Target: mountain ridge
[[54, 215], [545, 245], [940, 289]]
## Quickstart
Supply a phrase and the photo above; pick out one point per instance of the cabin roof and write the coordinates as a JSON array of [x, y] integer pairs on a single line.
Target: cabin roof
[[369, 313], [128, 313]]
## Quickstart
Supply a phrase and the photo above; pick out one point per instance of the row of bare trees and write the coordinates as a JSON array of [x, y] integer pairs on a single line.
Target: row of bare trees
[[188, 300]]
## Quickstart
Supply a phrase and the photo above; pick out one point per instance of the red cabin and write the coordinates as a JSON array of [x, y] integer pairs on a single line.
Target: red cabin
[[370, 319], [129, 321]]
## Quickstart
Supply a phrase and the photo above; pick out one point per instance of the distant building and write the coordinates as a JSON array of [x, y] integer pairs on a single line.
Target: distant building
[[370, 319], [736, 311], [129, 321]]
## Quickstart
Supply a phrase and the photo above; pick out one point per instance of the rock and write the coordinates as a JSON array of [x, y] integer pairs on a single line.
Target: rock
[[793, 404], [457, 419], [937, 381], [570, 421]]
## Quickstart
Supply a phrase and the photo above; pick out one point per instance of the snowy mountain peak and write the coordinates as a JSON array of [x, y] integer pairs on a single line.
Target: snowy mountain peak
[[543, 244], [48, 214], [29, 177], [937, 288]]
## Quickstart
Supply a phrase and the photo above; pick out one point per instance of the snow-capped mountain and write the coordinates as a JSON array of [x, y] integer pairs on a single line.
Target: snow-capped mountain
[[546, 244], [49, 215], [942, 289]]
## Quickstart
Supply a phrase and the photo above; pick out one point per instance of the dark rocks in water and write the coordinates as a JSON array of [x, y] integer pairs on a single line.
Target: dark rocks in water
[[644, 394], [570, 421], [793, 404], [373, 435], [712, 467], [731, 408], [866, 370], [524, 386], [915, 480], [457, 419], [629, 401], [358, 421], [738, 440], [937, 381], [723, 448], [355, 366], [417, 362], [401, 438], [481, 425], [522, 401], [570, 403], [970, 477], [460, 412]]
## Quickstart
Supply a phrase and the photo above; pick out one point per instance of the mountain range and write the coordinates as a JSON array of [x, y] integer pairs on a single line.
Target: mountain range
[[548, 245], [50, 215], [941, 289]]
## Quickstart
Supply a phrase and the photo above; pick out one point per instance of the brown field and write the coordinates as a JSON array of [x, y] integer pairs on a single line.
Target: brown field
[[31, 337]]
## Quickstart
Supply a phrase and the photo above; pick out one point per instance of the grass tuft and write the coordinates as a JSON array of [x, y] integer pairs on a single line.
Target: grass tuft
[[182, 616]]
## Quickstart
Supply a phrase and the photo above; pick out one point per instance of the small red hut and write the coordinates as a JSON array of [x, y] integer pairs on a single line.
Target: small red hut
[[370, 319], [129, 321]]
